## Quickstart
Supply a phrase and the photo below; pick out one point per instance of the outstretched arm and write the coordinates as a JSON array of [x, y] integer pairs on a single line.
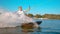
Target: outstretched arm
[[28, 9]]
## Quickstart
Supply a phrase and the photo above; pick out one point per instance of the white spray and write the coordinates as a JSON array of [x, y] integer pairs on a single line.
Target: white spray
[[10, 19]]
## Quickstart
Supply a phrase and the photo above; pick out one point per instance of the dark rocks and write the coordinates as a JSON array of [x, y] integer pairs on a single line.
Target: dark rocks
[[27, 26], [30, 25]]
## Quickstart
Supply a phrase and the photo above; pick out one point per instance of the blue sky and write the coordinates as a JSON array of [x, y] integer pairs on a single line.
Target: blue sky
[[37, 6]]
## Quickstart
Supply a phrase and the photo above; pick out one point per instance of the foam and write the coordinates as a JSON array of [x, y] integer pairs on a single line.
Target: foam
[[10, 19]]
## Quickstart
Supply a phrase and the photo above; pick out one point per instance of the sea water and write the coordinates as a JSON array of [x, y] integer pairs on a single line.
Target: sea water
[[48, 26], [9, 19]]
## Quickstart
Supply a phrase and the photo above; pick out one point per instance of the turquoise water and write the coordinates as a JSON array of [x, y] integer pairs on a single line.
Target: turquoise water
[[48, 26]]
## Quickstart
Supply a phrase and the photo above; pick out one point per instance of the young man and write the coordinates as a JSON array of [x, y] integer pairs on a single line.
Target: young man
[[22, 15], [25, 19]]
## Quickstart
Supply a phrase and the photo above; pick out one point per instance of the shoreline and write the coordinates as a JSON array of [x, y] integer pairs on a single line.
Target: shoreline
[[40, 18]]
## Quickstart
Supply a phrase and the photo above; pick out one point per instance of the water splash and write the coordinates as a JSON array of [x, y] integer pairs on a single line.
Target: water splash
[[10, 19]]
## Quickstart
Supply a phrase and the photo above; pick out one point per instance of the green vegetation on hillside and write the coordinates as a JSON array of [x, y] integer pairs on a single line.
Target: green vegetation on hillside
[[49, 16]]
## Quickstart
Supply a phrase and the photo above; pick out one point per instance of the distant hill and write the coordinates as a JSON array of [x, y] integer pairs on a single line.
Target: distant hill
[[49, 16]]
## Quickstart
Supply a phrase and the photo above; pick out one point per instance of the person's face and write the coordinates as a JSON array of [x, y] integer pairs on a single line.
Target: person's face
[[20, 8]]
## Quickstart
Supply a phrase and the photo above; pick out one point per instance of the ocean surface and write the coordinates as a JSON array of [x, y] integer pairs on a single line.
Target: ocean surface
[[48, 26]]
